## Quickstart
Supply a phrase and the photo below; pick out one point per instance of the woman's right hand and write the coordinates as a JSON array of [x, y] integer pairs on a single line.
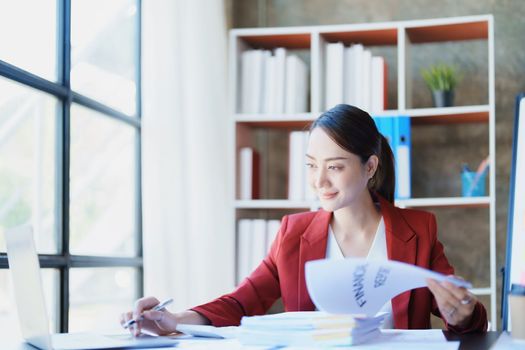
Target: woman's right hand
[[160, 322]]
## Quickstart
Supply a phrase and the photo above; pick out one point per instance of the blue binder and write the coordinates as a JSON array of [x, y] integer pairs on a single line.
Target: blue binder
[[401, 145], [384, 125]]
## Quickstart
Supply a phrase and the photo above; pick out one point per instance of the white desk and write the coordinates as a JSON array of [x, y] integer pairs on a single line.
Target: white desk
[[478, 341]]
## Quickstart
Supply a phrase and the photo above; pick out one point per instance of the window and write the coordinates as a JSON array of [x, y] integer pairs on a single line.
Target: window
[[70, 154]]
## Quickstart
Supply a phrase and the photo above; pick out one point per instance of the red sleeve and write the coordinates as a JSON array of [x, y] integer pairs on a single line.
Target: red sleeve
[[439, 263], [254, 296]]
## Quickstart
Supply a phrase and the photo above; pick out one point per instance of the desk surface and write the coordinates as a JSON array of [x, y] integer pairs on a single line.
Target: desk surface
[[474, 341]]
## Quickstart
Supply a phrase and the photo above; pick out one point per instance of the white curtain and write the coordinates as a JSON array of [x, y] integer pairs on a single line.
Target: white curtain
[[186, 168]]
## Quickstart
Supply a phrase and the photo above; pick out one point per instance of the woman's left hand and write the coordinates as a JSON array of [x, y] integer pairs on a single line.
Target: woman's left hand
[[456, 304]]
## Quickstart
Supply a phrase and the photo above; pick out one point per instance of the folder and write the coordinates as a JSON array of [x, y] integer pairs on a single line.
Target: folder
[[386, 127], [401, 147]]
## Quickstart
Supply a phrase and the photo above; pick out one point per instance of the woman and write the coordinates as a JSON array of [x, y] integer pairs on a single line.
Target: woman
[[351, 168]]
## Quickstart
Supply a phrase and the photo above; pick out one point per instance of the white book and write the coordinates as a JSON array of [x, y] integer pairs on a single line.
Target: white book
[[349, 94], [258, 81], [296, 91], [334, 74], [357, 73], [280, 78], [258, 242], [291, 84], [246, 83], [308, 193], [295, 164], [403, 174], [246, 158], [264, 82], [366, 68], [269, 83], [303, 85], [272, 229], [378, 84], [244, 248]]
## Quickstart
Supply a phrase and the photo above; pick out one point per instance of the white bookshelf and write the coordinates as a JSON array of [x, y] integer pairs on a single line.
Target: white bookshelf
[[403, 36]]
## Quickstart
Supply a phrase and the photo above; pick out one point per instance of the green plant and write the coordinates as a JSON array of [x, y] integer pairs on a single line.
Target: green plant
[[441, 77]]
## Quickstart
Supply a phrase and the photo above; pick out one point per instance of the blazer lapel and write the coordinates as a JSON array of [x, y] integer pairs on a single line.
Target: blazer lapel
[[401, 243], [312, 247]]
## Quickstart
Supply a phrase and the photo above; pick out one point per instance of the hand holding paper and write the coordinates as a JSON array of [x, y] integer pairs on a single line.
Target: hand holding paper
[[360, 286]]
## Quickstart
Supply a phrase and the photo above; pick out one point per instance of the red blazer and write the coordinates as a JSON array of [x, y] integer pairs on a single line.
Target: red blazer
[[410, 236]]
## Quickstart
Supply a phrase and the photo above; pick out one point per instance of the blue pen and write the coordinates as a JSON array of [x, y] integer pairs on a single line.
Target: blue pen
[[156, 308]]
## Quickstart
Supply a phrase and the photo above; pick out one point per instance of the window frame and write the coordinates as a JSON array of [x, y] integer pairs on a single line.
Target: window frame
[[63, 261]]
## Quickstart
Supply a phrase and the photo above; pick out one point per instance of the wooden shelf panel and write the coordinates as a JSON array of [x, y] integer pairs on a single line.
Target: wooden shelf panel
[[289, 41], [449, 115], [446, 115], [372, 37], [449, 32], [272, 204], [277, 121]]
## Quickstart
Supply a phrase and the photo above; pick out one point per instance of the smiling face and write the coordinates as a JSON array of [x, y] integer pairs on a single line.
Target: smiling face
[[337, 176]]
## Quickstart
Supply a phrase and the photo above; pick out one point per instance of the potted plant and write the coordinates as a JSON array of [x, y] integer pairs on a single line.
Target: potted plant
[[441, 79]]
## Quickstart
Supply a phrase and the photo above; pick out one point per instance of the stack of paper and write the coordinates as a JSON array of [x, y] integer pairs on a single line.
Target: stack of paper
[[309, 328]]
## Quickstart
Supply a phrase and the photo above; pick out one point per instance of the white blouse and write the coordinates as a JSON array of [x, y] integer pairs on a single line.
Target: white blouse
[[377, 252]]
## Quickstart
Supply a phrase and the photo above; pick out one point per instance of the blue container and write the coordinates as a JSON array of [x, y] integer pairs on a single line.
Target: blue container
[[471, 189]]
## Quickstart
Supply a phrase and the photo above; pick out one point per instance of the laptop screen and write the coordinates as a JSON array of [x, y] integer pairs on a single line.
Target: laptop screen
[[27, 286]]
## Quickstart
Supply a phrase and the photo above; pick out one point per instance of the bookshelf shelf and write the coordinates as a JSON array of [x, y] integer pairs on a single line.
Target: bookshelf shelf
[[295, 121], [377, 37], [445, 115], [449, 115], [448, 32], [457, 202], [273, 204], [290, 41], [400, 41]]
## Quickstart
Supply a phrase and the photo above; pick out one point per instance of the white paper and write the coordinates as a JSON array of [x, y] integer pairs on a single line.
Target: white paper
[[402, 339], [208, 331], [360, 286], [428, 339]]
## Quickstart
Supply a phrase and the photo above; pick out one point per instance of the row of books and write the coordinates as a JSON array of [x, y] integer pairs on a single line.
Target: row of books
[[396, 129], [273, 82], [255, 236], [298, 187], [355, 77]]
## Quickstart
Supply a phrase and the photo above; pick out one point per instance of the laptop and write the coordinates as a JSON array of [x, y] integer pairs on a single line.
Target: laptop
[[32, 314]]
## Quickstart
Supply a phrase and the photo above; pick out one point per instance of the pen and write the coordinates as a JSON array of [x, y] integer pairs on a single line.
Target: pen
[[155, 308]]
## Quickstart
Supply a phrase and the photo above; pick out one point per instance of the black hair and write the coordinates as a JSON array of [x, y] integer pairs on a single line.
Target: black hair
[[355, 131]]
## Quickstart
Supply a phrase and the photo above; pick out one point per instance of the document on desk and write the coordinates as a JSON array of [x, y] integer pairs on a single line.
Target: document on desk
[[208, 331], [393, 339], [402, 339], [361, 286]]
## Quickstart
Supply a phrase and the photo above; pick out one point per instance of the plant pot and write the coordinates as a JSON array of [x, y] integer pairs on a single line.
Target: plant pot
[[443, 98]]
